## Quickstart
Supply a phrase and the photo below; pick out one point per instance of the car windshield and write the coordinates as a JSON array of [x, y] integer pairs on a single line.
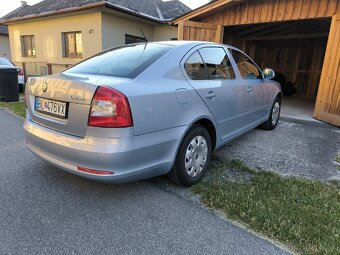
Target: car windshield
[[126, 62], [5, 62]]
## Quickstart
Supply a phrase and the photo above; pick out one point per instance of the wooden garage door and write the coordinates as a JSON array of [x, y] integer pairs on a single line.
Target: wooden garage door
[[327, 106], [196, 31]]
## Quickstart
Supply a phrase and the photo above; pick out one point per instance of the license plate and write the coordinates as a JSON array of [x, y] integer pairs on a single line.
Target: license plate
[[51, 107]]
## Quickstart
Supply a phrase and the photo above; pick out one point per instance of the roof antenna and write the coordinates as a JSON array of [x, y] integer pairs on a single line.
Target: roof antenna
[[134, 12], [146, 39]]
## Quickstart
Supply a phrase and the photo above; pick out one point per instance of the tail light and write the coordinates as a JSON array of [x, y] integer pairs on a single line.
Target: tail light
[[110, 109], [21, 72]]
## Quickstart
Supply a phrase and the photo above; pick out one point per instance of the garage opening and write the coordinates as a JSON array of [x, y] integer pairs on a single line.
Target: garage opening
[[295, 50]]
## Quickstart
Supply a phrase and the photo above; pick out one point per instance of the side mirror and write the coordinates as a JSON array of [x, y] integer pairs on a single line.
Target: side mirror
[[268, 73]]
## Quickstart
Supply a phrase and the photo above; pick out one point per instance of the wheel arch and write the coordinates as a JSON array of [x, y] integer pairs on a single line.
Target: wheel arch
[[279, 95], [210, 127], [207, 123]]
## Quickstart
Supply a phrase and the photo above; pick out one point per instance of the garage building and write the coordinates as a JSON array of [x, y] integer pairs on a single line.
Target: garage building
[[299, 39]]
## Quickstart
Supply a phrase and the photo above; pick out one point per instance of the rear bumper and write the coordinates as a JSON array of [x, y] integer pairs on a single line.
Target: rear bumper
[[21, 79], [129, 158]]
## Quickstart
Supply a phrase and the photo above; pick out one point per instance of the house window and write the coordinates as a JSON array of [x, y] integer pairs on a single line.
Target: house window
[[28, 46], [133, 39], [73, 45]]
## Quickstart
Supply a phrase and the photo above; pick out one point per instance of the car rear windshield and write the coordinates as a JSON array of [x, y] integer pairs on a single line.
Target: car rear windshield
[[5, 62], [126, 62]]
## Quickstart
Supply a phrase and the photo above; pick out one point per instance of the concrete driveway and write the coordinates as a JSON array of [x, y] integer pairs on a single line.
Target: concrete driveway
[[46, 211], [291, 149]]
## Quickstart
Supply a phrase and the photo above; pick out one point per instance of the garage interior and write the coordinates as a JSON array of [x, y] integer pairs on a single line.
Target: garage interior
[[294, 49]]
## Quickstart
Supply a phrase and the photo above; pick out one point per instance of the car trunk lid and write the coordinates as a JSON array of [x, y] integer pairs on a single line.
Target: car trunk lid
[[74, 92]]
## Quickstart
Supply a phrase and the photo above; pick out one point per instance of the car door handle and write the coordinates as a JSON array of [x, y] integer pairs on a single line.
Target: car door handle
[[249, 89], [211, 95]]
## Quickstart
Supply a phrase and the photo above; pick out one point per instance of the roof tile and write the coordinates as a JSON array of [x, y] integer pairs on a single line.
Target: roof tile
[[167, 10]]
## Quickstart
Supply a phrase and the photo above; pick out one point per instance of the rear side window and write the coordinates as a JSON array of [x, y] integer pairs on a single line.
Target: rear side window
[[209, 63], [248, 69], [195, 67], [126, 62]]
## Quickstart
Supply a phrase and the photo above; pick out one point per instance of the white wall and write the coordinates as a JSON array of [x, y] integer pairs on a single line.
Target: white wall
[[114, 29], [48, 38], [100, 31], [164, 33]]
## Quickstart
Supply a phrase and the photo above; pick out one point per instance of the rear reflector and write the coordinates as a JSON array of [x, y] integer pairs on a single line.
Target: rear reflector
[[26, 96], [110, 108], [92, 171]]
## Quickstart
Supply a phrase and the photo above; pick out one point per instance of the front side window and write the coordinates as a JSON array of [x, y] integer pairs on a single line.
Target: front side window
[[28, 45], [217, 64], [248, 69], [209, 63], [126, 62], [73, 45]]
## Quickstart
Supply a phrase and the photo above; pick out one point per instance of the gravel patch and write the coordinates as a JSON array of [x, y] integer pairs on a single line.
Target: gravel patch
[[220, 170]]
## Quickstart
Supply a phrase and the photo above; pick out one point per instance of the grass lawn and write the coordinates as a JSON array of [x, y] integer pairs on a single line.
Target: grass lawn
[[16, 107], [337, 158], [301, 213]]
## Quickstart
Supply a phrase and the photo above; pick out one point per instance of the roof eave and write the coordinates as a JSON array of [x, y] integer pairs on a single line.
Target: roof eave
[[86, 7], [205, 8], [135, 13]]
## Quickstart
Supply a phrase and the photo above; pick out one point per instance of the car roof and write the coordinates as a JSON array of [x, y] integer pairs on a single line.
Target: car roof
[[193, 43], [176, 44]]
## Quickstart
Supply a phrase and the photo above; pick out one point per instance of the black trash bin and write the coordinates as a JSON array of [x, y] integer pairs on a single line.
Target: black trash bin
[[9, 87]]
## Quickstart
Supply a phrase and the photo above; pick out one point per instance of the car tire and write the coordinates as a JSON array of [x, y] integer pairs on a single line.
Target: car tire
[[274, 115], [21, 88], [192, 158]]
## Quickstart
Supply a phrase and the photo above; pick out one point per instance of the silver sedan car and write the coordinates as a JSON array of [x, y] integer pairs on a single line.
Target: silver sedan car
[[149, 109]]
